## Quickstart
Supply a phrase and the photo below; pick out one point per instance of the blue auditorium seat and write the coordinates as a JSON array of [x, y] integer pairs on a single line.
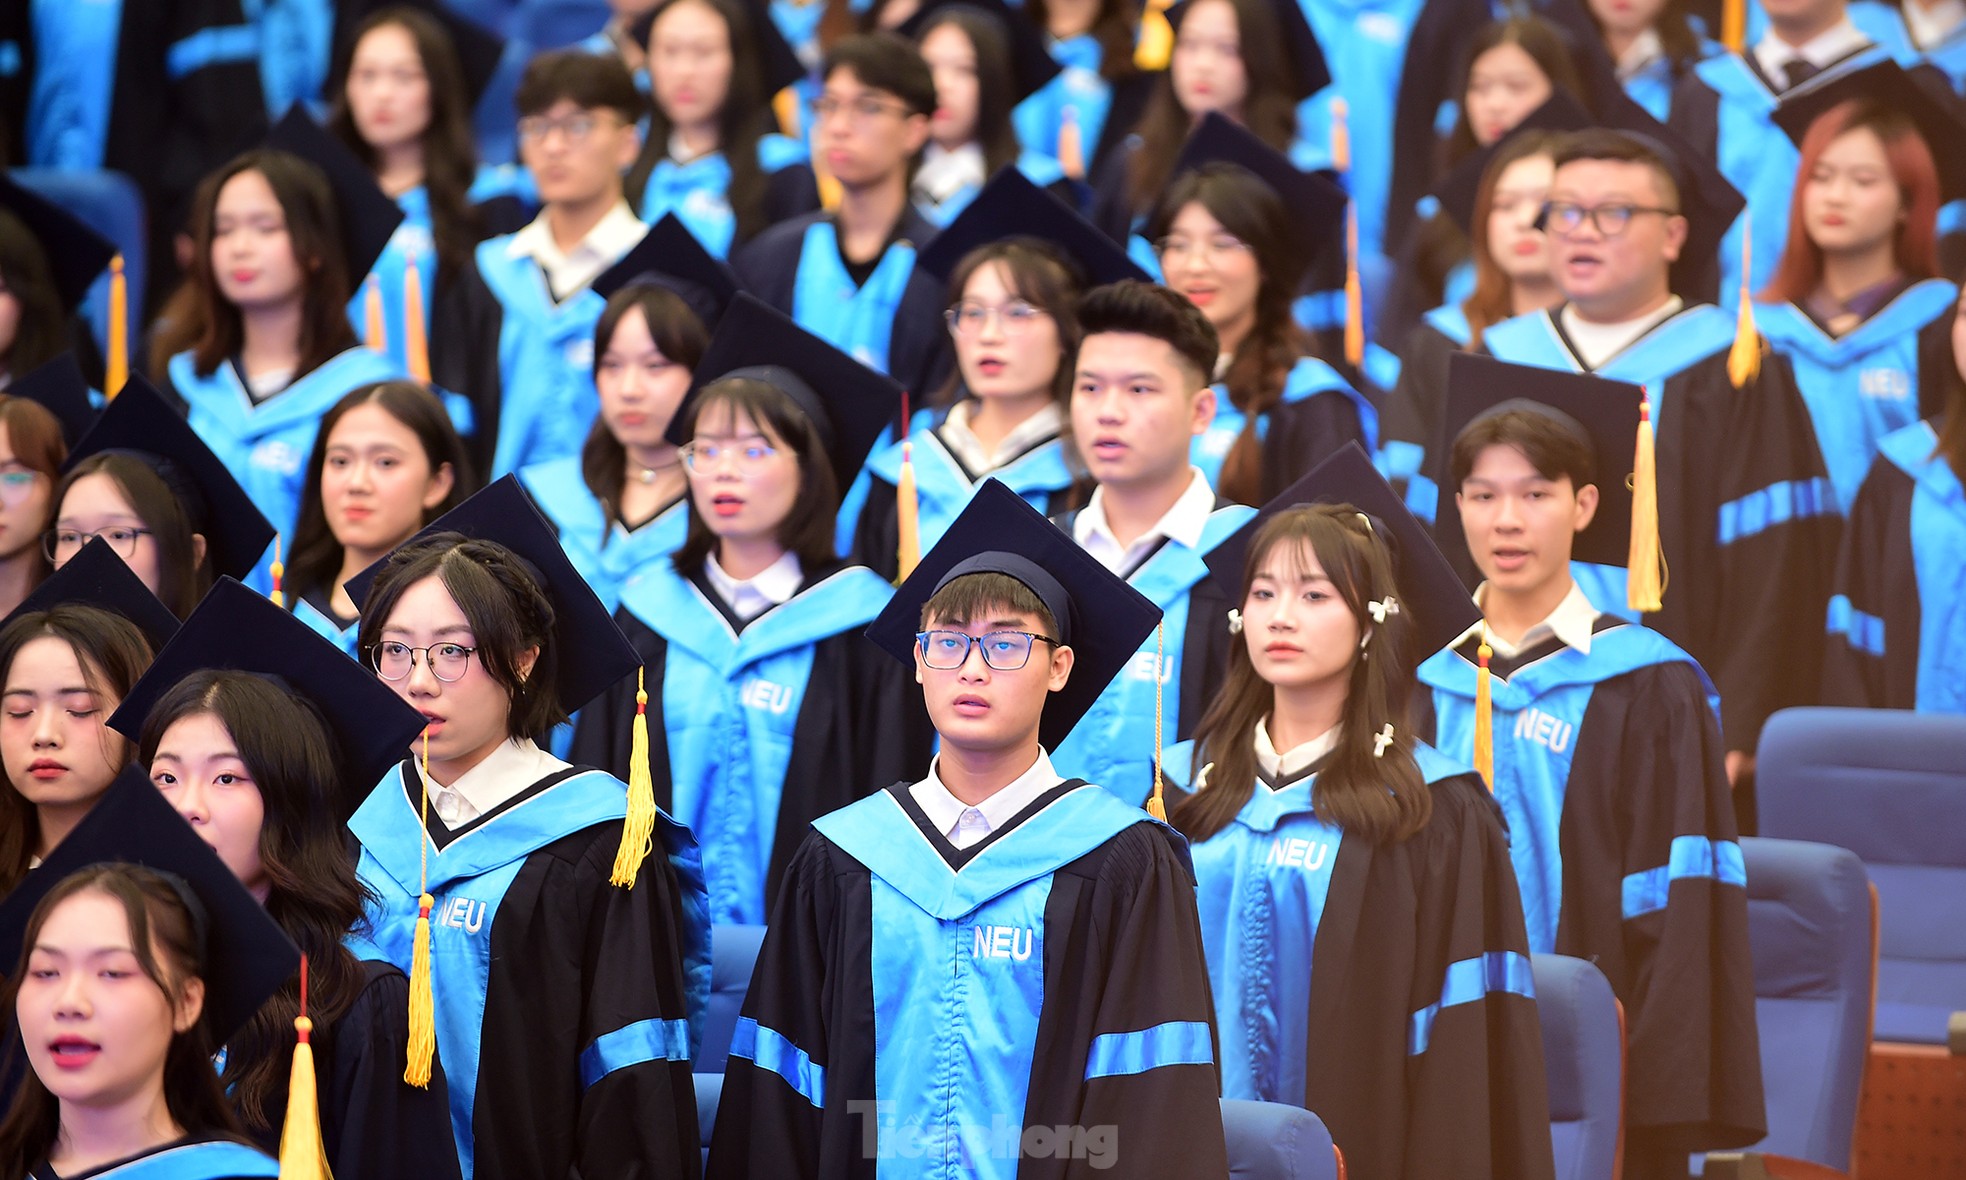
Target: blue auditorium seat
[[733, 953], [1273, 1141], [111, 204], [1584, 1058]]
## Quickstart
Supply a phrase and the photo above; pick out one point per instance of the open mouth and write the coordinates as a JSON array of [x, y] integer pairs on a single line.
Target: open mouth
[[726, 504], [1107, 447], [73, 1052], [992, 366], [1509, 559]]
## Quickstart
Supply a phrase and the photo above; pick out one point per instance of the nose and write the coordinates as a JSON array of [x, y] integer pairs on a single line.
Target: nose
[[47, 730], [1107, 407], [975, 668], [360, 477], [421, 680], [992, 327], [72, 996], [192, 804], [1508, 514]]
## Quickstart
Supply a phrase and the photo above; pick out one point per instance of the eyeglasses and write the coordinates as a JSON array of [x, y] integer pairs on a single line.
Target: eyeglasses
[[16, 482], [970, 319], [864, 108], [395, 661], [703, 455], [1003, 651], [1567, 217], [576, 127], [62, 544], [1208, 249]]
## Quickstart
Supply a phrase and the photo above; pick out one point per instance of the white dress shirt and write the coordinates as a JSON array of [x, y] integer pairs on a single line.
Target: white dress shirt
[[967, 824], [1930, 26], [1643, 51], [1278, 767], [1571, 623], [1598, 343], [1183, 523], [981, 460], [509, 769], [569, 271], [944, 172], [772, 586], [1823, 50]]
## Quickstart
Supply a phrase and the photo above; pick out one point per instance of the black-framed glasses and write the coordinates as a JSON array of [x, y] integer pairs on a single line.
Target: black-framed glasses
[[1003, 651], [1567, 217], [62, 544], [448, 662]]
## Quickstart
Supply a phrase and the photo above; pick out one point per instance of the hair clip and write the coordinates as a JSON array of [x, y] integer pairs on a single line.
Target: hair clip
[[1201, 780], [1383, 607], [1235, 622], [1366, 521], [1384, 739]]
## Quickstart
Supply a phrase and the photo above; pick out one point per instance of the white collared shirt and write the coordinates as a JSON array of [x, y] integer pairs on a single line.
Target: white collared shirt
[[1931, 26], [569, 271], [1823, 50], [981, 460], [1183, 524], [944, 171], [966, 825], [1297, 759], [772, 586], [1598, 343], [509, 769], [1643, 51], [1570, 623]]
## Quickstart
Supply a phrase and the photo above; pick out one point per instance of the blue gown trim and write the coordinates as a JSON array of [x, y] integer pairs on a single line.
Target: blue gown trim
[[769, 1049], [1178, 1042], [1491, 973], [1865, 632], [195, 1160], [634, 1044], [218, 45], [1691, 858], [1778, 503]]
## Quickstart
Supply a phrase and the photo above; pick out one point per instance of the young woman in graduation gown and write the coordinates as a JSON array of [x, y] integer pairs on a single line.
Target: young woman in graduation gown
[[32, 451], [1096, 94], [1364, 935], [35, 330]]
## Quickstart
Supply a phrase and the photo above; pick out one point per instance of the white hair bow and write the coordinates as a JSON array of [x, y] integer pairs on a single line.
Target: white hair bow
[[1235, 622], [1384, 739], [1380, 609]]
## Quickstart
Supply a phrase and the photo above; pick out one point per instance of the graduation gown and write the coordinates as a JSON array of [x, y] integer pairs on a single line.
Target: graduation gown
[[697, 192], [314, 609], [1042, 990], [1897, 619], [1318, 414], [891, 322], [1611, 773], [1416, 410], [1385, 987], [1078, 94], [604, 554], [1113, 743], [190, 1158], [756, 729], [1038, 168], [564, 1003], [1747, 518]]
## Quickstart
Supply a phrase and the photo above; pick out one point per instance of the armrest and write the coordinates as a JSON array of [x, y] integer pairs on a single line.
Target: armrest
[[1755, 1165], [1956, 1034]]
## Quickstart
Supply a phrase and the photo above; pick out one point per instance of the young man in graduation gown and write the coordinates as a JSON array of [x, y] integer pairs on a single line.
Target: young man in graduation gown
[[1140, 396], [515, 335], [1607, 758], [993, 972], [848, 276], [1746, 514]]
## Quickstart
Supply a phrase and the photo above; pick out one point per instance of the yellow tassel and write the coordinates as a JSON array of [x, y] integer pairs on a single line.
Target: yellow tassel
[[638, 829], [1734, 25], [1156, 44], [1071, 144], [785, 105], [279, 571], [1484, 725], [375, 330], [1354, 293], [416, 350], [908, 514], [1744, 359], [302, 1154], [423, 1003], [829, 186], [1156, 806], [1645, 565], [1341, 136], [117, 364]]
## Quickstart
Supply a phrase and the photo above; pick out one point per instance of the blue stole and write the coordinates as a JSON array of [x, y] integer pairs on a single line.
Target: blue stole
[[76, 43], [324, 626], [545, 361], [1077, 92], [606, 555], [730, 711], [1938, 553], [698, 192], [1862, 385], [943, 488], [1308, 378], [1039, 169], [1651, 87], [1113, 744], [295, 38], [855, 320], [799, 25], [1949, 57], [211, 1160]]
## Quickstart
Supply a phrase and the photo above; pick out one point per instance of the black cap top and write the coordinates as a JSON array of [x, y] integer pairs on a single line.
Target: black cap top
[[1886, 85], [478, 49], [235, 628], [368, 216], [141, 422], [1308, 71], [1457, 190], [778, 61], [848, 402], [1101, 618], [62, 390], [1603, 414], [247, 956], [76, 252], [1315, 202], [593, 653], [1429, 590], [98, 577], [670, 256], [1031, 64], [1010, 206]]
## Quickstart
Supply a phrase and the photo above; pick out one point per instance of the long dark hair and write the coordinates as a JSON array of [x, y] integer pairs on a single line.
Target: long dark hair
[[158, 922], [1112, 28], [24, 274], [807, 529], [314, 895], [36, 439], [990, 42], [1952, 420], [172, 514], [740, 124], [450, 153], [1493, 297], [1544, 44], [1677, 41], [316, 556], [1042, 276], [1385, 799], [681, 336], [308, 205], [1252, 211]]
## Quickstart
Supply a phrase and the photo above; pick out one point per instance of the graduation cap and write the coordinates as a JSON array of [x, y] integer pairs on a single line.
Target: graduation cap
[[1031, 63], [478, 49], [235, 628], [1308, 71], [849, 403], [777, 60], [1429, 589], [1010, 206], [98, 577], [140, 422], [1315, 203], [669, 256], [1457, 190], [76, 252], [61, 389], [1888, 86], [247, 956], [368, 216], [1101, 618]]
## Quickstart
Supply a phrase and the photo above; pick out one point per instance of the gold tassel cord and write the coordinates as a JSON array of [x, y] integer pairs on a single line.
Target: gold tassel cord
[[303, 1156], [1156, 806], [416, 348], [1354, 294], [1744, 358], [785, 105], [1734, 25], [907, 504], [279, 572], [1156, 43], [423, 1005], [117, 364], [375, 327], [1341, 136], [1645, 563], [638, 827], [1071, 144], [1484, 721]]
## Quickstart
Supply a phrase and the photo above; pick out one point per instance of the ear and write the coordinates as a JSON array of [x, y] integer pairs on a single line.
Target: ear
[[1587, 499], [190, 1005], [1203, 413], [197, 550], [526, 660], [914, 132], [628, 149], [440, 486], [1676, 229], [1062, 659], [921, 667]]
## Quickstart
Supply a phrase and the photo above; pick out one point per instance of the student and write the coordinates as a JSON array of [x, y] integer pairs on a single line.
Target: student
[[1351, 875], [1140, 395], [33, 446], [618, 505], [516, 334], [849, 276], [1749, 544], [1608, 760], [386, 462], [1095, 89], [771, 710], [1938, 37], [1652, 46], [707, 157], [48, 260], [1016, 262], [521, 850], [1030, 944]]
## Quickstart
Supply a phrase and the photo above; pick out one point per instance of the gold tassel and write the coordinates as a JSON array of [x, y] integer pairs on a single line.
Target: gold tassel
[[1734, 25], [117, 364], [785, 105], [1484, 727], [423, 1004], [829, 186], [1157, 807], [1071, 144], [1341, 136], [375, 330], [638, 828], [279, 571], [908, 514], [302, 1154], [1156, 43], [1645, 564], [1354, 293], [415, 348], [1744, 358]]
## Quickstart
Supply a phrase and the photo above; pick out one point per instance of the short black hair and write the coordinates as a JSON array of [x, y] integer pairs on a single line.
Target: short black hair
[[590, 81], [808, 529], [1552, 448], [1149, 309], [974, 596], [1602, 143], [886, 62]]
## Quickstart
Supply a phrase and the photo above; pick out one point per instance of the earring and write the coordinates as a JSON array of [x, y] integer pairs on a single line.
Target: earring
[[1235, 622]]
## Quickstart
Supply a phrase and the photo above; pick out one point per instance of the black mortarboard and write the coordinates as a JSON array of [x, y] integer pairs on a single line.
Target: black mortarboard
[[1887, 86], [235, 628], [98, 577], [1457, 190], [777, 60], [593, 653], [670, 256], [1010, 206], [141, 422], [849, 403], [368, 216], [1315, 203], [1603, 413], [76, 252], [478, 49], [1031, 63], [1429, 590], [247, 956], [61, 389], [1101, 618], [1308, 71]]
